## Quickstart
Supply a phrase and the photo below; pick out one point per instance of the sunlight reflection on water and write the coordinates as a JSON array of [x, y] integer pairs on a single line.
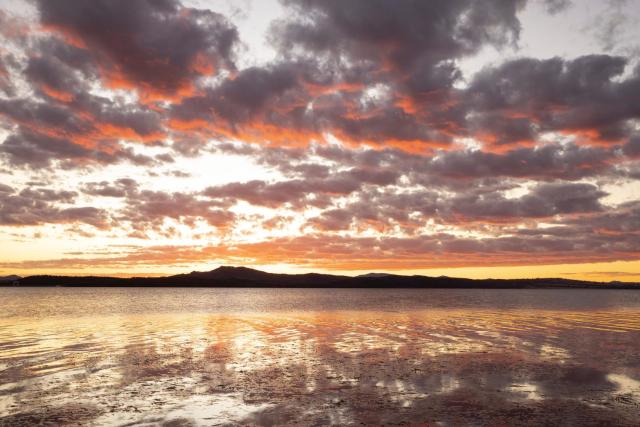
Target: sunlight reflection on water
[[132, 356]]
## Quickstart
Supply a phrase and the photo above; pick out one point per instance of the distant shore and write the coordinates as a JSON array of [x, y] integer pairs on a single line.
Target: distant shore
[[242, 277]]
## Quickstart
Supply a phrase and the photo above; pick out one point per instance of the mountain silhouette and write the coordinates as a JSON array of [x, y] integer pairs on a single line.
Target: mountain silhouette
[[247, 277]]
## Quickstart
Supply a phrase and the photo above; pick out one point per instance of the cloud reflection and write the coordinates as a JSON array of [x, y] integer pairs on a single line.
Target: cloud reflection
[[322, 367]]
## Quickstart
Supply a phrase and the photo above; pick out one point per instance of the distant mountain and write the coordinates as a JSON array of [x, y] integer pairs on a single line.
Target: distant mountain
[[248, 277], [9, 279]]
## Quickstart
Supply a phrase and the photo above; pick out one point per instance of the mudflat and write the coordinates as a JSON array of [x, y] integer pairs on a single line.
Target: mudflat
[[182, 357]]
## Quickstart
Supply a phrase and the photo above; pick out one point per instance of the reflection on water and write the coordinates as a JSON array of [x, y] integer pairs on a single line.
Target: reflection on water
[[300, 357]]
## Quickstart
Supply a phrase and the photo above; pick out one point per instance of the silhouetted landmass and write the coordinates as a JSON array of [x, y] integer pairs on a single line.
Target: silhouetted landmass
[[247, 277], [9, 279]]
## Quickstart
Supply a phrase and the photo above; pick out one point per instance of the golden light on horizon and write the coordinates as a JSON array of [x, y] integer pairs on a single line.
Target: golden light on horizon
[[484, 153]]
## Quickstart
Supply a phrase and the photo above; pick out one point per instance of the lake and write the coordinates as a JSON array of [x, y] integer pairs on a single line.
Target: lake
[[220, 356]]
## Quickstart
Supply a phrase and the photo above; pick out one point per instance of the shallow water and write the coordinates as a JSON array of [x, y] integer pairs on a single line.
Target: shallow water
[[142, 356]]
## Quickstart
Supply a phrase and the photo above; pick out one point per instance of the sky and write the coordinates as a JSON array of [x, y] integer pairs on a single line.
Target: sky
[[447, 137]]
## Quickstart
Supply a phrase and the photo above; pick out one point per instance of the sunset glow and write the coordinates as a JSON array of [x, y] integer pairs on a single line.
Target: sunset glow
[[460, 138]]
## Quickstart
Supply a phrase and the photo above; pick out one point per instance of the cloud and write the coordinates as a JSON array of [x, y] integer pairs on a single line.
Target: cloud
[[236, 104], [632, 147], [371, 149], [121, 188], [398, 34], [38, 150], [301, 192], [406, 48], [157, 47], [556, 6], [477, 207], [445, 168], [608, 25], [331, 54], [43, 206], [141, 210], [35, 150], [545, 200], [148, 209], [54, 78], [585, 97], [368, 253], [623, 222], [547, 162]]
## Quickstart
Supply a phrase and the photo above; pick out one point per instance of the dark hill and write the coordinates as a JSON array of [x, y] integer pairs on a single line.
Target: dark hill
[[247, 277]]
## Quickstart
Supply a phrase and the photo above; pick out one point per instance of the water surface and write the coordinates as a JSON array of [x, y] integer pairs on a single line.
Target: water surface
[[197, 356]]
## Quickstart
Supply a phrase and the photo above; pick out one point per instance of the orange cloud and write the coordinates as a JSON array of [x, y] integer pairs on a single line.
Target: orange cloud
[[69, 36], [148, 93], [56, 94], [322, 252]]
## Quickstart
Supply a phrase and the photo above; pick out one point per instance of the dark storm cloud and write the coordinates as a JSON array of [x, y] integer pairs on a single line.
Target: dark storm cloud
[[504, 106], [252, 89], [319, 84], [157, 45]]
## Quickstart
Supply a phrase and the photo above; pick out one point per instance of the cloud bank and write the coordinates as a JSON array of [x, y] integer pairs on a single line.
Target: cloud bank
[[365, 141]]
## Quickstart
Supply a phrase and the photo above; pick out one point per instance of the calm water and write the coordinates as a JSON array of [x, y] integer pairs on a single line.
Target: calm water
[[141, 356]]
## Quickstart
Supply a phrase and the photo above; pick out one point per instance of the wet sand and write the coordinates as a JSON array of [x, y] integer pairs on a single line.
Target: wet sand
[[516, 364]]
